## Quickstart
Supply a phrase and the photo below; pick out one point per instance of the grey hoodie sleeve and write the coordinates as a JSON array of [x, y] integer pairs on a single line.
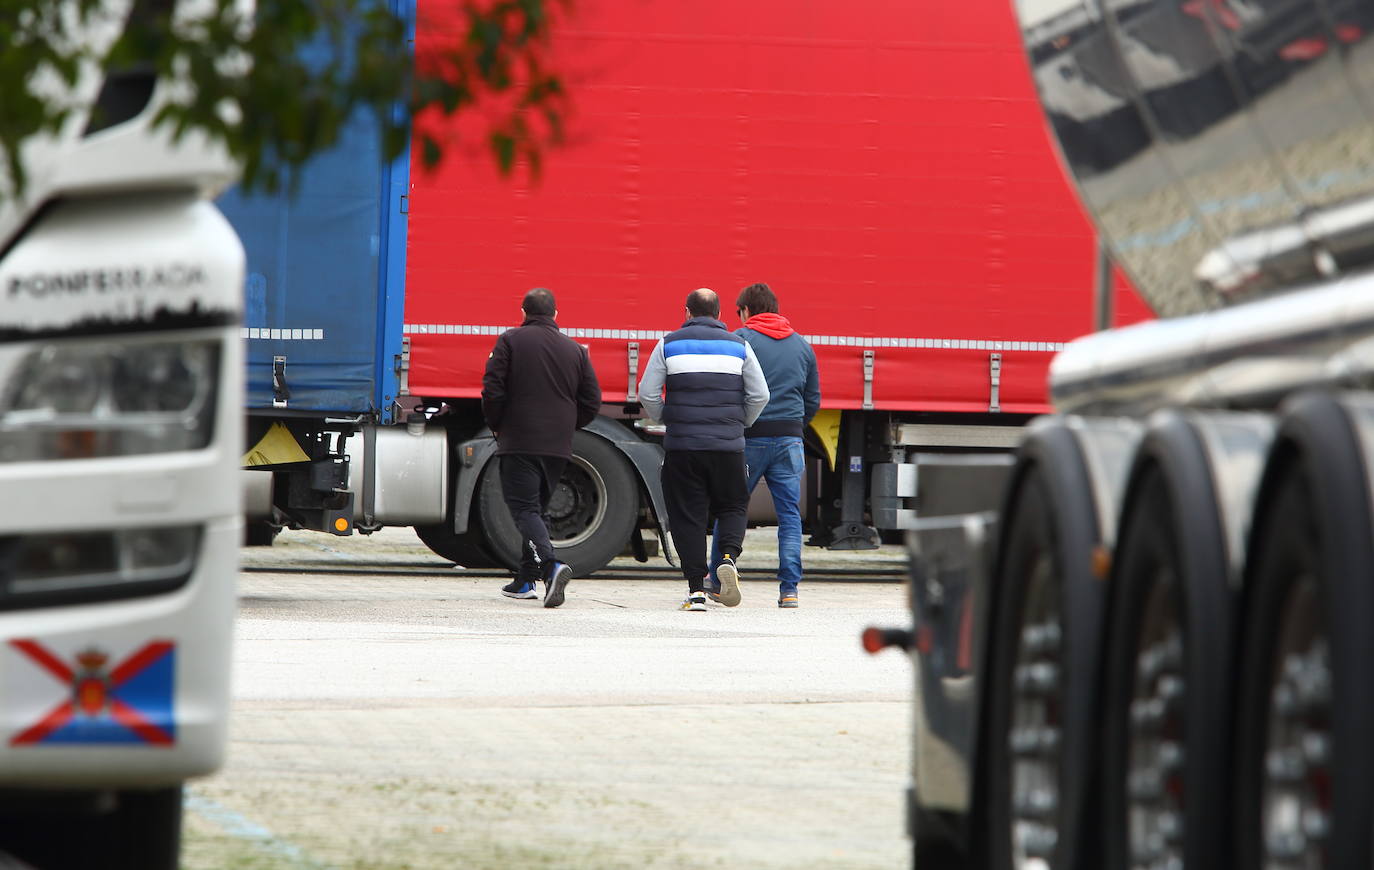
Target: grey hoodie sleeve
[[811, 393], [651, 384], [755, 386]]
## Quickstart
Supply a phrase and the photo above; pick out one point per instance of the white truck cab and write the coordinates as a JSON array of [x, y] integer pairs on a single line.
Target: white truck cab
[[120, 441]]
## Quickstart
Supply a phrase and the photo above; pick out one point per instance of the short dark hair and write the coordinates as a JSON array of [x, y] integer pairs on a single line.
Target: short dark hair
[[703, 302], [539, 301], [758, 298]]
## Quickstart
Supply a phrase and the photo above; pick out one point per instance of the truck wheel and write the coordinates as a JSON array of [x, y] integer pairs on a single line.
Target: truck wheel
[[142, 831], [1305, 712], [258, 533], [1040, 746], [1166, 686], [936, 856], [592, 513], [468, 549]]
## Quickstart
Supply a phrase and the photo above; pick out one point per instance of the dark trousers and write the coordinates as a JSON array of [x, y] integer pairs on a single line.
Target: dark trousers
[[699, 485], [527, 483]]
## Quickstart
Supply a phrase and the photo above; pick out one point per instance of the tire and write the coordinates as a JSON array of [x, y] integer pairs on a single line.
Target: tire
[[1167, 681], [1040, 750], [258, 533], [1304, 713], [594, 509], [468, 549], [141, 831], [936, 856]]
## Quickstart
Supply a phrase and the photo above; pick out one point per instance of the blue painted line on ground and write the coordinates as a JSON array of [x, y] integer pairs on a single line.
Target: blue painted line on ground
[[236, 825]]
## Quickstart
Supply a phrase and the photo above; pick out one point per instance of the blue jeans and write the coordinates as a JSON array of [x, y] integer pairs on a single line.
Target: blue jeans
[[778, 460]]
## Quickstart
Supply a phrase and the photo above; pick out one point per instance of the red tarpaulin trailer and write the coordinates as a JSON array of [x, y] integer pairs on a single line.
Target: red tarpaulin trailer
[[885, 170]]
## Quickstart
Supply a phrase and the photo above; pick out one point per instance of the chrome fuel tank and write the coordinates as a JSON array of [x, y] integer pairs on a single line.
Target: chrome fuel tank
[[1225, 148]]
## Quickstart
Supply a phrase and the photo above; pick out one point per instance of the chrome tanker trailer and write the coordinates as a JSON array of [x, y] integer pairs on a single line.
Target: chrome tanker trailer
[[1147, 640]]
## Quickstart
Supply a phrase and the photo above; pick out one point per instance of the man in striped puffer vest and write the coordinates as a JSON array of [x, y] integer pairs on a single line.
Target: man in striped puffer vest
[[706, 386]]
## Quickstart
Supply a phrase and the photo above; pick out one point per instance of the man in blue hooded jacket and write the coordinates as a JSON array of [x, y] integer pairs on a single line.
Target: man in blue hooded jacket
[[773, 444]]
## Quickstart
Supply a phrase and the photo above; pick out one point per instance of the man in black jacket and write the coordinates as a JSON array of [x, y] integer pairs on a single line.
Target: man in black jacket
[[538, 389]]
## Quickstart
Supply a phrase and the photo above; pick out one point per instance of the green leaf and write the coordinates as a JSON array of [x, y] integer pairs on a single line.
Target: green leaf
[[295, 73]]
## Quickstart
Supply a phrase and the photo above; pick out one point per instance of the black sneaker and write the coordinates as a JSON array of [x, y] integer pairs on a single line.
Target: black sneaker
[[559, 575], [519, 589]]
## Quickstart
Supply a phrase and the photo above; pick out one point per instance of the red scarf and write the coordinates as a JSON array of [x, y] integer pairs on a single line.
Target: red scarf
[[771, 325]]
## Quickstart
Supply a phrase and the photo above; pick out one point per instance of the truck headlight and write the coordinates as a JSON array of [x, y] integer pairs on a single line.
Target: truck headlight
[[78, 567], [79, 399]]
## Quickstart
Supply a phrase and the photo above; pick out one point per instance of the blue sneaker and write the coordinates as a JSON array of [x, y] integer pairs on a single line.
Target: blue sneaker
[[559, 575], [519, 589]]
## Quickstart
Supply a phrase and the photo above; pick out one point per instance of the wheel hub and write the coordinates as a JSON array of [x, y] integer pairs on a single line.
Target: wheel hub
[[578, 504], [1155, 753], [1296, 809], [1035, 735]]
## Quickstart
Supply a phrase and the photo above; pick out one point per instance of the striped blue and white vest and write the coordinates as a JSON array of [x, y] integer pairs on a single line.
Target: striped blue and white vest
[[704, 406]]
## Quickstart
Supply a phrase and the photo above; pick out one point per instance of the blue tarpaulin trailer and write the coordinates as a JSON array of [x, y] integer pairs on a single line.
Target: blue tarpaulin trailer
[[326, 282]]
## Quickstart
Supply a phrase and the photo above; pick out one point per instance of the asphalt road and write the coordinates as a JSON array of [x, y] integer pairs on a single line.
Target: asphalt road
[[394, 712]]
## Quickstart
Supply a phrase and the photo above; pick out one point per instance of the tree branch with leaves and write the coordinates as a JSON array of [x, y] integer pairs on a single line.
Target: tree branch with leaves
[[275, 84]]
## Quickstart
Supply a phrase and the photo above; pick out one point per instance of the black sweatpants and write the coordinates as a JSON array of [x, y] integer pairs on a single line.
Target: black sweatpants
[[699, 485], [527, 483]]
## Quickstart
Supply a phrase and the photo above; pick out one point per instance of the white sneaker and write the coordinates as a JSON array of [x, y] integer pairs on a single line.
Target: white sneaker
[[728, 576], [694, 601]]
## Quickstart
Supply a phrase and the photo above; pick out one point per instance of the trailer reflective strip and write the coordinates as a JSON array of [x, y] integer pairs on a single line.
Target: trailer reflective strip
[[292, 334], [999, 345]]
